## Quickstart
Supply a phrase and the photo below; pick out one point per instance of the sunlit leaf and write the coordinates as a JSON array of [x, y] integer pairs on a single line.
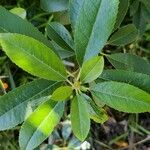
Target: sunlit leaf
[[17, 104], [33, 56], [62, 93], [40, 124], [91, 69]]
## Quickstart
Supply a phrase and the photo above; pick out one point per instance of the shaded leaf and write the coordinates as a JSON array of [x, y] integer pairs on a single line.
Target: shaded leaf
[[122, 10], [96, 113], [125, 35], [62, 52], [58, 33], [134, 7], [137, 79], [129, 62], [80, 118], [62, 17], [54, 5], [146, 14], [139, 20], [14, 24], [146, 3], [122, 97]]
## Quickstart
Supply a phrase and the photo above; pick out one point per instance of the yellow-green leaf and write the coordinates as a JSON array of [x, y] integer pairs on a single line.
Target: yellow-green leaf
[[33, 56], [40, 124], [62, 93], [91, 69]]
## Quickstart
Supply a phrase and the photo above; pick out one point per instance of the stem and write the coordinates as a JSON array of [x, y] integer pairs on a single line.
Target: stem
[[70, 74], [77, 93], [12, 83], [70, 83], [84, 89], [103, 54], [103, 145], [78, 77]]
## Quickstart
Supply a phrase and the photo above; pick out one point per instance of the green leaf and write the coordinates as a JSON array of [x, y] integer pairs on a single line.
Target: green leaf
[[146, 14], [139, 20], [91, 69], [98, 102], [137, 79], [129, 62], [62, 52], [14, 24], [122, 97], [80, 118], [98, 116], [33, 56], [62, 17], [122, 11], [19, 12], [74, 11], [91, 29], [54, 5], [96, 113], [125, 35], [62, 93], [134, 7], [146, 3], [16, 105], [58, 33], [40, 124]]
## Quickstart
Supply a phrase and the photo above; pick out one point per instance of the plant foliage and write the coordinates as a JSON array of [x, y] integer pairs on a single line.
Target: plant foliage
[[71, 66]]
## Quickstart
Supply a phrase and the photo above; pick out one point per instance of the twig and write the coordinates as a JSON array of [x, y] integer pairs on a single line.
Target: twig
[[103, 145], [143, 141], [138, 143], [3, 77]]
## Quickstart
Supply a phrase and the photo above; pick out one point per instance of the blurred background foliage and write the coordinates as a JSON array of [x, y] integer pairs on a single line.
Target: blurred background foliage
[[122, 131]]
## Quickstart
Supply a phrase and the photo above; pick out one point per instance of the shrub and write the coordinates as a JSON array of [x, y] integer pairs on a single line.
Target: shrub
[[40, 104]]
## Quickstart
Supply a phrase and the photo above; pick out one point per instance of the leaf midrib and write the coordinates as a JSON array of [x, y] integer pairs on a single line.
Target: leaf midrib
[[91, 69], [80, 119], [45, 119], [40, 61], [112, 41], [93, 27], [67, 44], [114, 59], [122, 97]]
